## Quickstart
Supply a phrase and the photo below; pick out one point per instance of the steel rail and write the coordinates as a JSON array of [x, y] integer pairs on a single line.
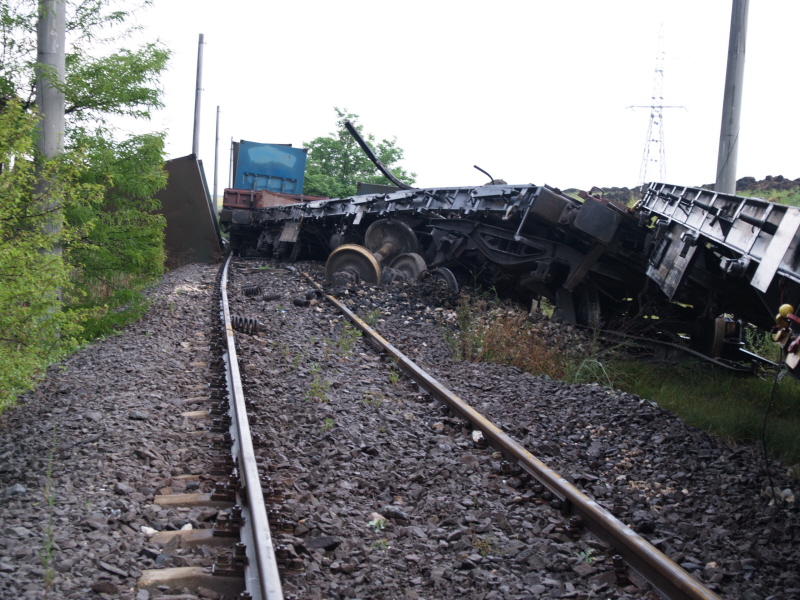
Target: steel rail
[[262, 579], [662, 573]]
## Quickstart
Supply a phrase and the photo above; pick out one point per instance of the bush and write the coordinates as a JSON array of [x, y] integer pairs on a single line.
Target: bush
[[35, 327]]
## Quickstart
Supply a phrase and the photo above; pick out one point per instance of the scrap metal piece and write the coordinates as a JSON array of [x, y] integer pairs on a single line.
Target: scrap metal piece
[[192, 233], [375, 160], [246, 325]]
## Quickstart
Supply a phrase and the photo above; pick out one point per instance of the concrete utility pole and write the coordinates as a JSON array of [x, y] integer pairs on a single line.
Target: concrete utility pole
[[198, 92], [732, 100], [50, 73], [216, 158]]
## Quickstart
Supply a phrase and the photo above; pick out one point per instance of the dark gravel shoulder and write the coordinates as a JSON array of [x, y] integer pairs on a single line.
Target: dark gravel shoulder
[[82, 456]]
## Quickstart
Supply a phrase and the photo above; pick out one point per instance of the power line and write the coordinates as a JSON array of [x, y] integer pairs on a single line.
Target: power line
[[654, 156]]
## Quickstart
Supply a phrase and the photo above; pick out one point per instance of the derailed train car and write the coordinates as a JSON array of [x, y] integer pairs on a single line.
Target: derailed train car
[[529, 241], [686, 265]]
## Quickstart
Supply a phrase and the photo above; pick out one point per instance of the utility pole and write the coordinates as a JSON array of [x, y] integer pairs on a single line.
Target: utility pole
[[732, 100], [216, 158], [50, 72], [198, 92]]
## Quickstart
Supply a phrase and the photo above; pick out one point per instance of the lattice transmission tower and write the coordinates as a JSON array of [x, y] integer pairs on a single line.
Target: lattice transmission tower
[[654, 160]]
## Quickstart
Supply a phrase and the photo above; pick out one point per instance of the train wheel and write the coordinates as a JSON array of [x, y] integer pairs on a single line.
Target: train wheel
[[354, 259], [409, 264], [395, 233]]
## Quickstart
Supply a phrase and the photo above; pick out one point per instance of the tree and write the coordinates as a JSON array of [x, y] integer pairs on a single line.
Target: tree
[[112, 241], [35, 326], [120, 251], [124, 82], [336, 162]]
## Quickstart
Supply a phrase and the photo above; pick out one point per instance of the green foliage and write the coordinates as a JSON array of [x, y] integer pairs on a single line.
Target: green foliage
[[484, 546], [374, 399], [775, 189], [347, 337], [371, 318], [336, 162], [123, 251], [99, 191], [377, 524], [381, 544], [35, 328], [318, 390], [123, 83]]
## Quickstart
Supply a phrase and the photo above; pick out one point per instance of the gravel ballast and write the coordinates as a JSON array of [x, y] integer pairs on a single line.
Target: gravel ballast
[[381, 494]]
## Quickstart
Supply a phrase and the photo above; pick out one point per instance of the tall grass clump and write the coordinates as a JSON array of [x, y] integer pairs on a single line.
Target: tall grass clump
[[488, 331]]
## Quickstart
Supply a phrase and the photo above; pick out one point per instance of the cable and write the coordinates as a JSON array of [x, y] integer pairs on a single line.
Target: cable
[[764, 431]]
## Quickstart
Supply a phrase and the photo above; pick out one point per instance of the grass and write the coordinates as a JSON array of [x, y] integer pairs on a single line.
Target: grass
[[318, 390], [723, 403], [728, 405], [790, 196], [490, 332], [347, 338], [47, 553]]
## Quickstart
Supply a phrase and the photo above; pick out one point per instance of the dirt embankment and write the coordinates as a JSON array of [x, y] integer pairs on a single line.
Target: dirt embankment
[[773, 188]]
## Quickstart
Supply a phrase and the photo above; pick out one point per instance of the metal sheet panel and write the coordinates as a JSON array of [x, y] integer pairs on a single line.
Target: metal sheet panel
[[597, 220], [363, 188], [777, 250], [670, 263], [191, 233], [273, 167]]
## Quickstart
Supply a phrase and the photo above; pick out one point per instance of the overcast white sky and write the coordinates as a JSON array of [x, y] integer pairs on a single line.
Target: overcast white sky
[[532, 91]]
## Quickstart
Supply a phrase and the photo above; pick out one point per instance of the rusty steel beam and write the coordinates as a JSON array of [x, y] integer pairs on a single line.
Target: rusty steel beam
[[661, 572]]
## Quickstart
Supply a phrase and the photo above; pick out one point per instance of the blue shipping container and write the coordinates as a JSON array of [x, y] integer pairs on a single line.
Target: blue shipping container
[[272, 167]]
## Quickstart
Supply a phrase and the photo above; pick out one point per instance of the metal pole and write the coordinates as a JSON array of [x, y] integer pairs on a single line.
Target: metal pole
[[216, 159], [198, 92], [50, 30], [230, 167], [732, 100]]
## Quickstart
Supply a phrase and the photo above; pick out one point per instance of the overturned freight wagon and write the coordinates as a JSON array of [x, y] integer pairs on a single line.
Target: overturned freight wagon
[[684, 265]]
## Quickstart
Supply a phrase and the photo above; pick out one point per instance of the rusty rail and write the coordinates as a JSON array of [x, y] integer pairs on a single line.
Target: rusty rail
[[661, 572], [262, 579]]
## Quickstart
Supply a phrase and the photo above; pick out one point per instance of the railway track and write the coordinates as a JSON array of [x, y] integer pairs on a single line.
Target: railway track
[[374, 487], [608, 547]]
